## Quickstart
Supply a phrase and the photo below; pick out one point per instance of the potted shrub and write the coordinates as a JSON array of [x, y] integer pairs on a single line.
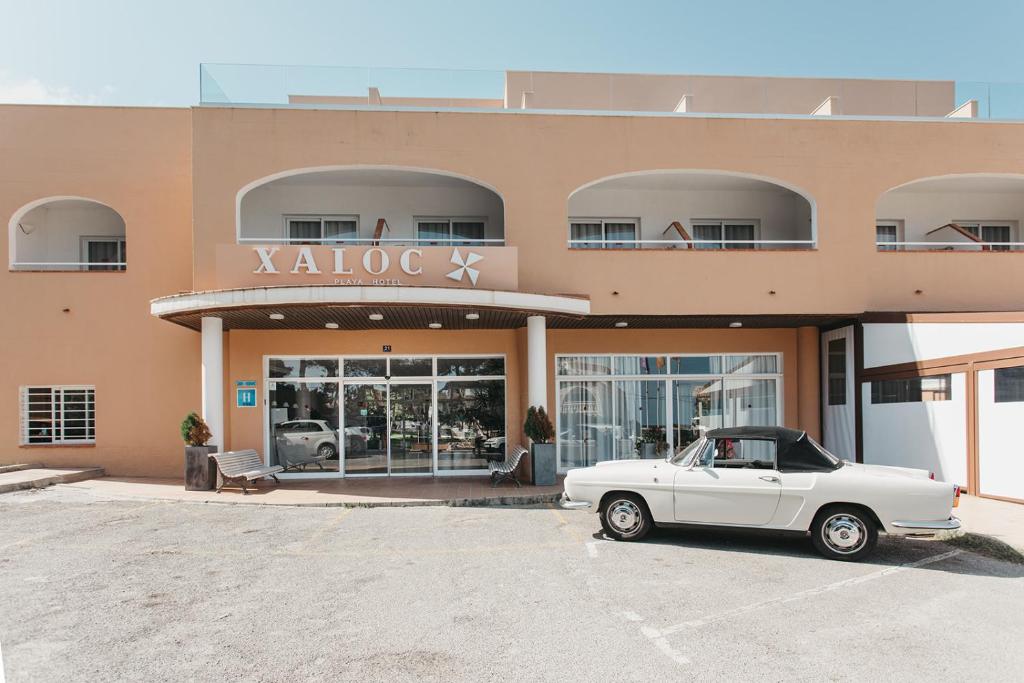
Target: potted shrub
[[651, 443], [200, 470], [541, 432]]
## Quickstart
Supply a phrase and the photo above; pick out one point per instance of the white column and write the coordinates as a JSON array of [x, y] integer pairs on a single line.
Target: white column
[[537, 361], [213, 378]]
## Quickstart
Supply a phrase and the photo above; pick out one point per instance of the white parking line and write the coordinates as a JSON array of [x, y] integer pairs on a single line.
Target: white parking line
[[810, 592]]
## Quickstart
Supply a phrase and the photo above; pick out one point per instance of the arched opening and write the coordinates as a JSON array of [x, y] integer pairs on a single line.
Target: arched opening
[[385, 206], [691, 210], [970, 212], [67, 234]]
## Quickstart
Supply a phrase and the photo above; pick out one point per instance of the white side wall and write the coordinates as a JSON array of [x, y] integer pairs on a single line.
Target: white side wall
[[57, 231], [839, 421], [783, 215], [891, 343], [1000, 465], [930, 435], [264, 208], [925, 211]]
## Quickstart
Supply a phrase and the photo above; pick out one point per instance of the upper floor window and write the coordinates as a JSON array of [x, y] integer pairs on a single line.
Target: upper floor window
[[991, 232], [321, 229], [887, 235], [607, 233], [58, 415], [912, 389], [68, 234], [837, 372], [460, 232], [727, 234]]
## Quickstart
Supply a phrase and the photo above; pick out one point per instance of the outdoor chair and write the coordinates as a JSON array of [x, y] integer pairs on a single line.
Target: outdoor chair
[[243, 466], [505, 470]]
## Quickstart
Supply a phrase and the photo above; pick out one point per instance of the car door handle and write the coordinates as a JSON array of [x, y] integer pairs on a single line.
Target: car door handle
[[769, 477]]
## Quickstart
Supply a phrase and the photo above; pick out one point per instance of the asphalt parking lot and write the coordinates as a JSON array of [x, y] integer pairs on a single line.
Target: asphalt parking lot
[[93, 589]]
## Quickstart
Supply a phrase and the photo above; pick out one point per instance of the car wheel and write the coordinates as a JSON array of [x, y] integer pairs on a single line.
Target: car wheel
[[326, 451], [625, 517], [844, 533]]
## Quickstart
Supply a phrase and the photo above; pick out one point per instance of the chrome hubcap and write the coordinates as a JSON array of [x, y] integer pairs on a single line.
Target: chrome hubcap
[[325, 451], [624, 516], [844, 534]]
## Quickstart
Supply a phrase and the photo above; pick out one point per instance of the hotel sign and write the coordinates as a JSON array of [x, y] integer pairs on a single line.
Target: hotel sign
[[367, 266]]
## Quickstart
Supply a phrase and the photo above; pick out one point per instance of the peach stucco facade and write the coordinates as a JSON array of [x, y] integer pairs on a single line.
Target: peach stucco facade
[[176, 177]]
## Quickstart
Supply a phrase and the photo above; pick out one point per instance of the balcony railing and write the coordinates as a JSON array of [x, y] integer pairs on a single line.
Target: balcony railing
[[951, 246], [70, 266], [702, 245], [379, 242]]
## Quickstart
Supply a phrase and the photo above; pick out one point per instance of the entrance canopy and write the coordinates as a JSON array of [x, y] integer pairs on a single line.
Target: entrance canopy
[[359, 308]]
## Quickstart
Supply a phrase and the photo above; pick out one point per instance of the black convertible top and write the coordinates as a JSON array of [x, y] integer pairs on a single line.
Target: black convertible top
[[785, 438]]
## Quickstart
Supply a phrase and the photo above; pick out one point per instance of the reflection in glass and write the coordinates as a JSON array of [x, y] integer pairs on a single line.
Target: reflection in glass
[[697, 365], [412, 432], [366, 428], [470, 424], [640, 365], [412, 367], [304, 425], [365, 367], [695, 403], [469, 367], [751, 365], [585, 365], [587, 433], [750, 402], [639, 420], [303, 367]]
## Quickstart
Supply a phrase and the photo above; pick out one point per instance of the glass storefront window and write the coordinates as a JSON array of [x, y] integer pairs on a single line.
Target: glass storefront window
[[412, 367], [639, 419], [304, 425], [697, 365], [585, 423], [469, 367], [750, 402], [366, 428], [751, 365], [412, 429], [365, 367], [695, 403], [303, 367], [470, 423], [640, 365], [584, 365]]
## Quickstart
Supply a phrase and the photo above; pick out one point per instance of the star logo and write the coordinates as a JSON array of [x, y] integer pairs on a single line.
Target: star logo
[[465, 266]]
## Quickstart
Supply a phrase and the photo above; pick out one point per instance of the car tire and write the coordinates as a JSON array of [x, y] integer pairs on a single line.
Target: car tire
[[845, 533], [625, 517], [326, 451]]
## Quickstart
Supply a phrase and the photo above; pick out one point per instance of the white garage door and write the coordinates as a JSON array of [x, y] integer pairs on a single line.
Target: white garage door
[[1000, 447]]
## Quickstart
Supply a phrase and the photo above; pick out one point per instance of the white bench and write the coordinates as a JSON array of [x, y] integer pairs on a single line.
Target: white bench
[[503, 470], [243, 466]]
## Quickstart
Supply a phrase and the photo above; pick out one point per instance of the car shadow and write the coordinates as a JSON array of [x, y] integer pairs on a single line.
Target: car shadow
[[891, 552]]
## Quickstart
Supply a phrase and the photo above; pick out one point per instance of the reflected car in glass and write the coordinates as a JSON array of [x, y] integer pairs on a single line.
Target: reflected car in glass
[[765, 478], [300, 443]]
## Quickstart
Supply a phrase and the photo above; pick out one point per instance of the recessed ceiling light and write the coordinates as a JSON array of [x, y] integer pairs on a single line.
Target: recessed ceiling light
[[622, 323], [376, 316], [331, 326], [472, 316], [434, 326], [736, 323], [277, 316]]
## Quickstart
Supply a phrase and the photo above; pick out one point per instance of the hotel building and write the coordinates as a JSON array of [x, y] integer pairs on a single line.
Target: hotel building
[[375, 272]]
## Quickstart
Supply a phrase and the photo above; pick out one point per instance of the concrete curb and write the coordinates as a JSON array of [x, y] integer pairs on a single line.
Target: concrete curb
[[989, 546], [50, 480], [19, 467]]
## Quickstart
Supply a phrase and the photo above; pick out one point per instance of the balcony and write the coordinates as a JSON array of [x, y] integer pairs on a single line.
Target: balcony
[[67, 234], [383, 207], [690, 210], [964, 213]]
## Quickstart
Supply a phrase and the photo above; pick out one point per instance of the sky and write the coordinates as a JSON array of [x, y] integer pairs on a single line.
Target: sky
[[144, 52]]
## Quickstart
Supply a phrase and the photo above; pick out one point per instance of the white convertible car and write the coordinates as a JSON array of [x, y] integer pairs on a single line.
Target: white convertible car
[[765, 478]]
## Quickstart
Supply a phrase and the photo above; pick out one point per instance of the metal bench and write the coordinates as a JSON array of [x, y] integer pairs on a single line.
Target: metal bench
[[243, 466], [505, 470]]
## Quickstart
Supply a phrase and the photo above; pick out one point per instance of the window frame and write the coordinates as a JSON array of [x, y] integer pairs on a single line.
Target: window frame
[[584, 243], [323, 218], [774, 461], [897, 228], [979, 225], [25, 417], [450, 240], [834, 399], [721, 224], [122, 251], [876, 395]]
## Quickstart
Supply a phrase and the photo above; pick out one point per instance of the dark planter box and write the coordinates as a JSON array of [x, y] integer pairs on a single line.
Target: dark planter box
[[200, 469], [543, 464]]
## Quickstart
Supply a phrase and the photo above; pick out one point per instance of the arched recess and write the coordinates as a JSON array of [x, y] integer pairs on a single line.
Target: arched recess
[[691, 209], [954, 212], [368, 204], [67, 233]]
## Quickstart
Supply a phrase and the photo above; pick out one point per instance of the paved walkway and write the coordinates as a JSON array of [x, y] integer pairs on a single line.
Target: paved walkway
[[996, 518], [383, 492]]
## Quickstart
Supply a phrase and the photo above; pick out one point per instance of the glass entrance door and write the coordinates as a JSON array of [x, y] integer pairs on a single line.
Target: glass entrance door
[[388, 428], [412, 429]]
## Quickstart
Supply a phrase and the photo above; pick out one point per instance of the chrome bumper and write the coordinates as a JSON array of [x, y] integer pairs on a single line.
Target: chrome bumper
[[572, 504], [922, 528]]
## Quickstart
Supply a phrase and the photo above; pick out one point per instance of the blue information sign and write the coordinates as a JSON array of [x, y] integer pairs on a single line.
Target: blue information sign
[[245, 391]]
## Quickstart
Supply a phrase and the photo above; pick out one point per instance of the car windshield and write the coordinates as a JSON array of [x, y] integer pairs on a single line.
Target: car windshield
[[685, 456], [836, 462]]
